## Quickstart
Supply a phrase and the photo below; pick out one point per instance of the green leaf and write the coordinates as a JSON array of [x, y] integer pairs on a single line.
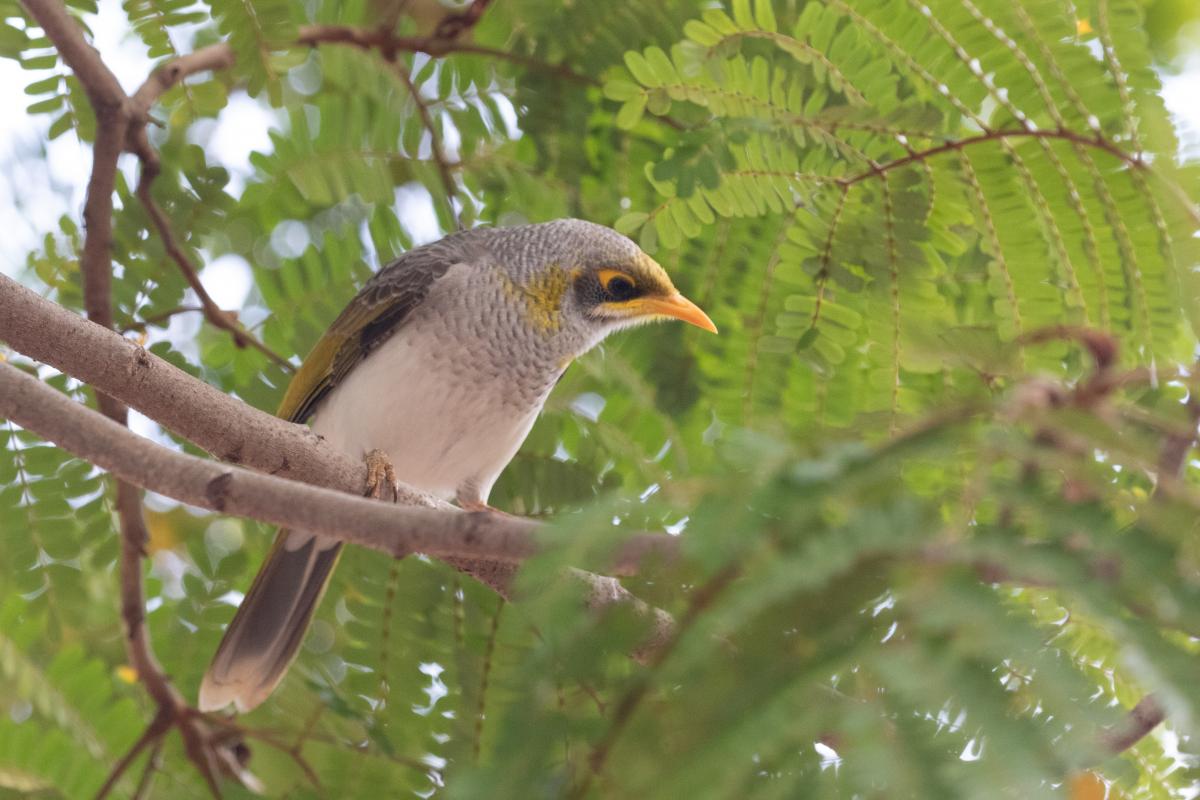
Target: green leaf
[[631, 112], [764, 15], [641, 69], [628, 223], [622, 90], [742, 14]]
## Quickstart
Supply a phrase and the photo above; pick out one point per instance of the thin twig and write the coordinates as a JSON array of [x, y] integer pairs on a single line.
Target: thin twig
[[704, 597], [140, 325], [1176, 446], [153, 763], [488, 654], [212, 312], [1141, 719], [389, 44], [208, 58], [134, 536], [455, 25], [435, 144], [296, 749], [310, 725], [220, 56], [153, 733], [276, 739], [991, 136], [171, 704], [215, 57]]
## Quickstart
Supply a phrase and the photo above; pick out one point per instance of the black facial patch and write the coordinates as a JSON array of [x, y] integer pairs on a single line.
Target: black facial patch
[[588, 291], [619, 289]]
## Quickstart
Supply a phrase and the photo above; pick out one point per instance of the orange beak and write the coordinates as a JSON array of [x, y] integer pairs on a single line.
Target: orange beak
[[676, 306]]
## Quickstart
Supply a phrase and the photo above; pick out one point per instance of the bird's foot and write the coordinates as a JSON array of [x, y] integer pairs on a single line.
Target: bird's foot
[[381, 474]]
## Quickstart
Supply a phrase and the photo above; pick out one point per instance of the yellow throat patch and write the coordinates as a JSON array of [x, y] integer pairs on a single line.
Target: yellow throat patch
[[541, 297]]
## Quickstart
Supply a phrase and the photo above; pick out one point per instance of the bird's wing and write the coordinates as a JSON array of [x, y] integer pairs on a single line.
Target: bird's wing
[[376, 312]]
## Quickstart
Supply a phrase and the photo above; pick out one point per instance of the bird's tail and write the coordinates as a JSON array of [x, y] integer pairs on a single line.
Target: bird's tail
[[265, 634]]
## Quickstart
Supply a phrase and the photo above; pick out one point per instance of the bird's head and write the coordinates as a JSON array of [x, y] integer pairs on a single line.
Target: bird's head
[[585, 278]]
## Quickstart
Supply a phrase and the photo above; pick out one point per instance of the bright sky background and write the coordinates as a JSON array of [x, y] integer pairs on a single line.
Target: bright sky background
[[34, 192]]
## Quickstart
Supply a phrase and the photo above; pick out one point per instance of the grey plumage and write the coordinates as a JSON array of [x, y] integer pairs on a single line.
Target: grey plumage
[[266, 631], [443, 361], [385, 301]]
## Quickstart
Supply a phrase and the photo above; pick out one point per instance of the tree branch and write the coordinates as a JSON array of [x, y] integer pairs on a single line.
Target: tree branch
[[214, 57], [105, 439], [153, 733], [220, 56], [222, 425], [389, 44], [1142, 718], [396, 530], [113, 115], [99, 83], [230, 430]]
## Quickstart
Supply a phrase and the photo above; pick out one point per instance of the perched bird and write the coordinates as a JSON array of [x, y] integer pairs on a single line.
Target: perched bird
[[436, 372]]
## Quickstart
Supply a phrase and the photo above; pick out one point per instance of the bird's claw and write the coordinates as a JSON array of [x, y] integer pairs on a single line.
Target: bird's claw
[[381, 473]]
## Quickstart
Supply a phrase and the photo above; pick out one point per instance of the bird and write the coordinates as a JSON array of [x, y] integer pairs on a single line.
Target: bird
[[434, 374]]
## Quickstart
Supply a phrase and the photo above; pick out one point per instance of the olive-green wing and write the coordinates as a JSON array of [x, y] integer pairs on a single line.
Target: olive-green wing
[[375, 313]]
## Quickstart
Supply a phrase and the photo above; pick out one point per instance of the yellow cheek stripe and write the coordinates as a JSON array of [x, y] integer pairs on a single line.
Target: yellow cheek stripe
[[541, 297]]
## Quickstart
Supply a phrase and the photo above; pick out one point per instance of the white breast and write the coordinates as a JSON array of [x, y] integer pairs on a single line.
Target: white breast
[[446, 421]]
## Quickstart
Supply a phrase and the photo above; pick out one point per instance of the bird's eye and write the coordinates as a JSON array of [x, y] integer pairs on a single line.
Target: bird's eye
[[617, 285], [620, 289]]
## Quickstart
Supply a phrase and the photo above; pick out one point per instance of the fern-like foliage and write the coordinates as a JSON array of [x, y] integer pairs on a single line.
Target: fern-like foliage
[[933, 167], [929, 546]]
